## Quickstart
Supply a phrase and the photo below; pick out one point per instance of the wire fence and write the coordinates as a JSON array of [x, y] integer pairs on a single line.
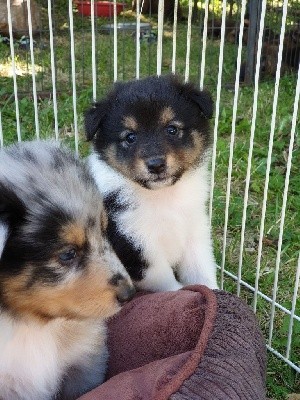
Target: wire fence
[[254, 203]]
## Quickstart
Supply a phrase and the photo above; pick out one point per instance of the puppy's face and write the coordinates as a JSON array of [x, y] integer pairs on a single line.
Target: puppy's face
[[152, 131], [55, 259]]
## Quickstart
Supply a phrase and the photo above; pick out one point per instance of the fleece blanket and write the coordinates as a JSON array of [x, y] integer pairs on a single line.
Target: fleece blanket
[[191, 344]]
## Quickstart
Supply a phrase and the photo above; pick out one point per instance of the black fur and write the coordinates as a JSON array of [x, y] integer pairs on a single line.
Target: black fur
[[130, 98], [128, 254]]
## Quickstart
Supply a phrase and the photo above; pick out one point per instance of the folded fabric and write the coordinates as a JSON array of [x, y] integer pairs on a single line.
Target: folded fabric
[[191, 344]]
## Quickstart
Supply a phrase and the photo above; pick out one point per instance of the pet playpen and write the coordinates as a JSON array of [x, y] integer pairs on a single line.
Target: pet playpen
[[247, 53]]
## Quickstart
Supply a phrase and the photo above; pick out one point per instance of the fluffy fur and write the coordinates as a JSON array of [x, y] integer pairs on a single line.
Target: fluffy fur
[[151, 143], [59, 278]]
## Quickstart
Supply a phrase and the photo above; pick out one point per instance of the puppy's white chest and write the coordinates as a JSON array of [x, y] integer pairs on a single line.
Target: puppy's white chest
[[161, 224], [29, 361]]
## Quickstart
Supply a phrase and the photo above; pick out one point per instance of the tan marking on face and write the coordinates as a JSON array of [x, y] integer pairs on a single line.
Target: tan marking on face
[[111, 157], [87, 296], [140, 167], [73, 234], [166, 116], [171, 161], [198, 142], [184, 159], [130, 123]]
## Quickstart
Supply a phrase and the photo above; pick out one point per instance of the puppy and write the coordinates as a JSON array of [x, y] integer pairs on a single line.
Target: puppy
[[151, 143], [59, 278]]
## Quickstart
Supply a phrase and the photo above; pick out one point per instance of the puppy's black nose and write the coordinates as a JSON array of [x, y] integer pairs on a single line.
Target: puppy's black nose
[[156, 165], [125, 289]]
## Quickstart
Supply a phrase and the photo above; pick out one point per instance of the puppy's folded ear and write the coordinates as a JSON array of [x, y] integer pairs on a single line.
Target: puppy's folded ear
[[94, 118], [201, 97], [204, 101], [12, 211]]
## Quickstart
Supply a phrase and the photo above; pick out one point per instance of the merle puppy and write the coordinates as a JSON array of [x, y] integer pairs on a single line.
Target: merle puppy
[[59, 278], [151, 143]]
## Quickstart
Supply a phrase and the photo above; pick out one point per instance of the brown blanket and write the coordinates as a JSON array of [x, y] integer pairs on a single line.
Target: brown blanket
[[191, 344]]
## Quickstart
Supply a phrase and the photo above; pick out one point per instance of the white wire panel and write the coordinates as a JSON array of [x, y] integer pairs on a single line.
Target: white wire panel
[[53, 72], [204, 43], [174, 50], [174, 36], [115, 42], [137, 38], [74, 93], [93, 43], [12, 52], [160, 34], [188, 42], [34, 91]]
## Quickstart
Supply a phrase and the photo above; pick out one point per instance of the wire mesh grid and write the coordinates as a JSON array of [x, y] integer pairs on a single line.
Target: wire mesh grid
[[254, 203]]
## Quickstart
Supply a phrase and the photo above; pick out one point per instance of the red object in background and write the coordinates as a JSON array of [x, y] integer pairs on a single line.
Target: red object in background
[[102, 8]]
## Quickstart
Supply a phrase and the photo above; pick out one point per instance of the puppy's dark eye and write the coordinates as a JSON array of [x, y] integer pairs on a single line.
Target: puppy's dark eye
[[172, 130], [67, 256], [130, 138]]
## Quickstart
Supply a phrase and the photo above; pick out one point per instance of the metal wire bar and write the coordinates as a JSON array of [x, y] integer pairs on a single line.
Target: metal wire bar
[[261, 294], [53, 73], [188, 42], [36, 116], [251, 144], [13, 65], [266, 186], [94, 69], [115, 42], [160, 33], [232, 138], [219, 87], [204, 44], [295, 296], [138, 43], [73, 70], [286, 360], [174, 44]]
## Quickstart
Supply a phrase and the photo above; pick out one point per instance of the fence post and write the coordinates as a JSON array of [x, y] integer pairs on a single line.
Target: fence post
[[254, 17]]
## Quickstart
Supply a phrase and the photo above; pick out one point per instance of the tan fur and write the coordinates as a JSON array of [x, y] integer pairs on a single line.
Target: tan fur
[[198, 144], [166, 116], [130, 123], [112, 160], [73, 234], [86, 296]]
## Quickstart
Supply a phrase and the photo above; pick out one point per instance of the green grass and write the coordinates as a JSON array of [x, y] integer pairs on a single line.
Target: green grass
[[282, 380]]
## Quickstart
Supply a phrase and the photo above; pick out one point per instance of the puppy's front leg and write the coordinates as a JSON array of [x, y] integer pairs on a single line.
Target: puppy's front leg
[[198, 265], [159, 278]]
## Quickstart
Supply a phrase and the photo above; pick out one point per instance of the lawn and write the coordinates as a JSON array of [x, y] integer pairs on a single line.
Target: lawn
[[282, 380]]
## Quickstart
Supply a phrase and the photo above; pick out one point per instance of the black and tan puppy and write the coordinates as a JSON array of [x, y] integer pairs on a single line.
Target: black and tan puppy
[[59, 278], [151, 152]]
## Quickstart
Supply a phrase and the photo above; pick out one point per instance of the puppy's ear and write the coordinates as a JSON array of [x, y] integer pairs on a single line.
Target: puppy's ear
[[204, 101], [94, 118], [201, 97], [12, 212], [12, 209]]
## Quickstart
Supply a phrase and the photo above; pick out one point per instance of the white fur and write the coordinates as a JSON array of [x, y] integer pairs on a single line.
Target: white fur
[[34, 357], [170, 224]]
